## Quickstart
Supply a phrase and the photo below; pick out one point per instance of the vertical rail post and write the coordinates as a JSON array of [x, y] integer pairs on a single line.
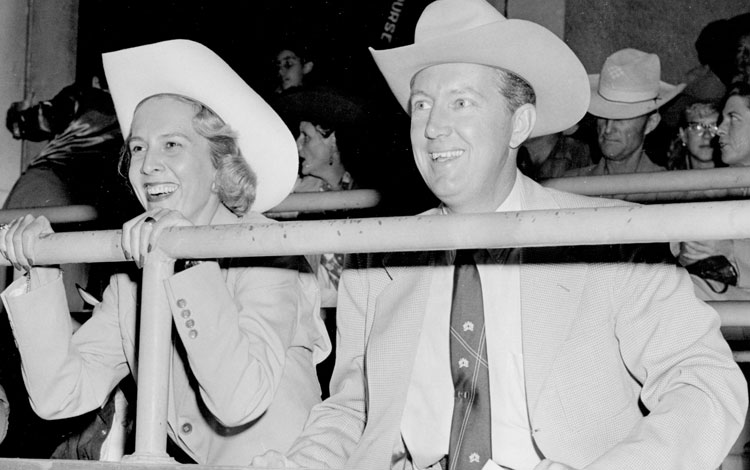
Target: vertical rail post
[[155, 343]]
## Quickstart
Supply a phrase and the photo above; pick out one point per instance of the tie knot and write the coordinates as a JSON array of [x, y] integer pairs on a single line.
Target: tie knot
[[465, 257]]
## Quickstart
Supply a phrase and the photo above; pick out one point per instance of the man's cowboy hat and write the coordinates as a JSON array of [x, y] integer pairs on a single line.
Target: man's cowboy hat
[[190, 69], [472, 31], [319, 105], [629, 86]]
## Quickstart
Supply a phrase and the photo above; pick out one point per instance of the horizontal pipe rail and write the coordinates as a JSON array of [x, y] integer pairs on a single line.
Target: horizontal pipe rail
[[55, 214], [328, 200], [658, 182], [591, 226]]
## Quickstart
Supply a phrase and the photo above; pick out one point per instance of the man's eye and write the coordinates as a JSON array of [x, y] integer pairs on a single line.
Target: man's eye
[[462, 103], [420, 106], [172, 145], [136, 149]]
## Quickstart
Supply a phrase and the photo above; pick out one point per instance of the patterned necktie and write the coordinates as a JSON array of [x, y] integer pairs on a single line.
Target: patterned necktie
[[470, 438]]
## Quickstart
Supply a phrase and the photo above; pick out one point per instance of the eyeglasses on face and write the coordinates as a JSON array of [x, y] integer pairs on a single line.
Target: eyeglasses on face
[[703, 127]]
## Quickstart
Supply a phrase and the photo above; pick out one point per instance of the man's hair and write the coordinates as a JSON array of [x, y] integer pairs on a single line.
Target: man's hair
[[741, 89], [235, 180], [514, 89]]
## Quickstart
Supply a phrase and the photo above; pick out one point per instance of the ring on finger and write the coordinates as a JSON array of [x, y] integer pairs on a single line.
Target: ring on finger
[[149, 220]]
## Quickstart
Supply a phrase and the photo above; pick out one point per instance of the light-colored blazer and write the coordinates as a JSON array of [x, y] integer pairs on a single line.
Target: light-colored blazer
[[597, 337], [242, 372]]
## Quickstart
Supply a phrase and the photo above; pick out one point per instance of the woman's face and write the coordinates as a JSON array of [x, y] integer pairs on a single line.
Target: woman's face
[[697, 136], [315, 151], [734, 132], [170, 165]]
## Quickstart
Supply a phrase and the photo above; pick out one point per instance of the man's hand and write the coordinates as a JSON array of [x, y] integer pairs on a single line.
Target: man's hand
[[272, 459], [547, 464]]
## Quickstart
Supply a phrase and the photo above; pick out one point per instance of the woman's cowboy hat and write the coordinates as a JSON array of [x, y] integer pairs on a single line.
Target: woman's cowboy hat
[[190, 69], [629, 86], [472, 31]]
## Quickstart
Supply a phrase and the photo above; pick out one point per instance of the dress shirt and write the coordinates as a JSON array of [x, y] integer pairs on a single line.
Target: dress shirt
[[426, 423]]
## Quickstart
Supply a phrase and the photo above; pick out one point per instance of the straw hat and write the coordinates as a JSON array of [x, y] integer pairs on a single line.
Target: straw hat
[[629, 86], [190, 69], [472, 31]]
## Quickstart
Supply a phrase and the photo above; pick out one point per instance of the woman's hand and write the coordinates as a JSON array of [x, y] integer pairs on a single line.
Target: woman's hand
[[18, 240], [140, 234], [691, 252]]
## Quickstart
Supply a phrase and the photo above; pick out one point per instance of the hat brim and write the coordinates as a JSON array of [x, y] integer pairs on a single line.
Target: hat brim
[[554, 72], [192, 70], [319, 105], [607, 109]]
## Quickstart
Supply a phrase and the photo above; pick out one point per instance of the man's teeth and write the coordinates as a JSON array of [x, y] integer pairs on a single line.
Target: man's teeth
[[159, 189], [445, 155]]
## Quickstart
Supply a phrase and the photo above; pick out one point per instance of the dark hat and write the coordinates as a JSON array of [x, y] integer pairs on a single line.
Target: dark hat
[[324, 106]]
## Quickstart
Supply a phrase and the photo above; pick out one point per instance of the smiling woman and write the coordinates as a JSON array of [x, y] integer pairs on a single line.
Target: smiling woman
[[202, 148]]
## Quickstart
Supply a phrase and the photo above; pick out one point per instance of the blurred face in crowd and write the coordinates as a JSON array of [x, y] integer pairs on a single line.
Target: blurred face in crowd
[[462, 133], [742, 59], [734, 132], [620, 139], [170, 163], [315, 150], [291, 69], [698, 134]]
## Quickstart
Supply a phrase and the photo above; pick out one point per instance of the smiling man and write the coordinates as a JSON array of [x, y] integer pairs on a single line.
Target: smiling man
[[535, 358], [625, 99]]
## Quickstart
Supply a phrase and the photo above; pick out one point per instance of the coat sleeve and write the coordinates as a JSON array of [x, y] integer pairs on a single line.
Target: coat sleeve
[[335, 426], [65, 375], [237, 332], [694, 391]]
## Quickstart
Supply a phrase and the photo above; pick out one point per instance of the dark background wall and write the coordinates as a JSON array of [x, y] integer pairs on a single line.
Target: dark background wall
[[596, 28]]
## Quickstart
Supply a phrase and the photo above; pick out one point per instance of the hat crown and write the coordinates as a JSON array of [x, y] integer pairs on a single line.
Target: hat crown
[[630, 76], [443, 17]]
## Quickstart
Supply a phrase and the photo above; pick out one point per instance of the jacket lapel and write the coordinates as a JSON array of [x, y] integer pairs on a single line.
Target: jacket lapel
[[395, 333], [550, 295]]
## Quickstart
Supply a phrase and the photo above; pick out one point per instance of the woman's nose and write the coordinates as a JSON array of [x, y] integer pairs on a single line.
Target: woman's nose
[[151, 162]]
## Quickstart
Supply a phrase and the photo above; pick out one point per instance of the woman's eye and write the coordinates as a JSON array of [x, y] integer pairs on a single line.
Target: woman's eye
[[172, 145], [462, 103], [136, 149]]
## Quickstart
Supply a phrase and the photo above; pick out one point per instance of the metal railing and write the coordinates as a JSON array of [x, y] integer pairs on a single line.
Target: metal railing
[[628, 224]]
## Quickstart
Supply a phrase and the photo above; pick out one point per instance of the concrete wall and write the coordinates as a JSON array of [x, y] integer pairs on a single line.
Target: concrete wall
[[596, 28], [13, 52]]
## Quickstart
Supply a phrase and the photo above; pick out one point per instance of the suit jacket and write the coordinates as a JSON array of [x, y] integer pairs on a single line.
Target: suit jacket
[[599, 339], [242, 372]]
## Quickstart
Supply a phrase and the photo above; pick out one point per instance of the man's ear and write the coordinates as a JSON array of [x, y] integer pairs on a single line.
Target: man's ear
[[307, 68], [523, 121], [653, 121]]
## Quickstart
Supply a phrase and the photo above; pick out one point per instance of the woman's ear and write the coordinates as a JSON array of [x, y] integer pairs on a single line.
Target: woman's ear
[[523, 121]]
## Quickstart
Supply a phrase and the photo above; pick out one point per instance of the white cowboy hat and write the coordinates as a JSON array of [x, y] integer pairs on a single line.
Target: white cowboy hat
[[473, 31], [190, 69], [629, 86]]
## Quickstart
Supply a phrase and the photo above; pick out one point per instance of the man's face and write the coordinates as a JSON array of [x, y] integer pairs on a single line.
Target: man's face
[[620, 138], [460, 134]]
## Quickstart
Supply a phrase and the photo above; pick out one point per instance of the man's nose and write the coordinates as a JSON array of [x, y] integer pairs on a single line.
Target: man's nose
[[437, 125]]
